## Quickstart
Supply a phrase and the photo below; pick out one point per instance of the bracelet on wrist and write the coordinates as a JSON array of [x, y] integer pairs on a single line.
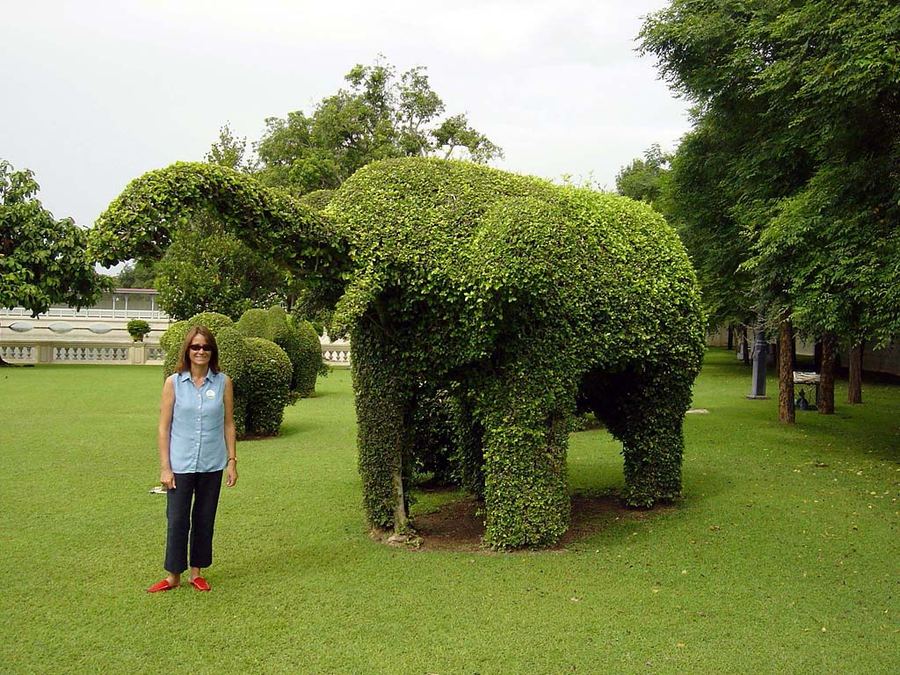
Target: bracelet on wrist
[[232, 459]]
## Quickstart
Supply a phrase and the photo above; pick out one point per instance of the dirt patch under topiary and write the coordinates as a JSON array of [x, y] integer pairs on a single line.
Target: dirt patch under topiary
[[458, 526]]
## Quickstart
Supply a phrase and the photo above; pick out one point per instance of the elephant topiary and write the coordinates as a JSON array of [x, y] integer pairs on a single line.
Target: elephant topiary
[[508, 299]]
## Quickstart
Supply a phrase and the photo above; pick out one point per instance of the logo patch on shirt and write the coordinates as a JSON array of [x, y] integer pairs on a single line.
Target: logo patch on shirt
[[210, 393]]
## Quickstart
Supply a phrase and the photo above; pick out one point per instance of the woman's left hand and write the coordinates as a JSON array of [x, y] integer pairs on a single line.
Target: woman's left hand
[[231, 475]]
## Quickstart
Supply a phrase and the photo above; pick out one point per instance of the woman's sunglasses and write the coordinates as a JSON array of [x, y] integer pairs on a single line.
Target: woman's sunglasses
[[200, 348]]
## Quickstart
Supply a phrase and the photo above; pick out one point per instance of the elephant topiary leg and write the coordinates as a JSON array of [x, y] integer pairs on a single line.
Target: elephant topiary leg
[[647, 415], [383, 432], [525, 490], [653, 449]]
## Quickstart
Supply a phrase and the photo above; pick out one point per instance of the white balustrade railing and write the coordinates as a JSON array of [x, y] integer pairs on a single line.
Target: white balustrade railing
[[23, 353], [93, 313], [98, 354], [337, 356], [82, 338]]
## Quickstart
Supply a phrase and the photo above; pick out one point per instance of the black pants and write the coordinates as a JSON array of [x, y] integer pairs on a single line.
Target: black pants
[[197, 522]]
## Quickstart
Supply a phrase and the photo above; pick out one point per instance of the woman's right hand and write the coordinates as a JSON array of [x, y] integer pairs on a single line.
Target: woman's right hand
[[167, 478]]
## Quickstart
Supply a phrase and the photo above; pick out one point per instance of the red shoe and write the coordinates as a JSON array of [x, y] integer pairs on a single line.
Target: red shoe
[[200, 583], [163, 585]]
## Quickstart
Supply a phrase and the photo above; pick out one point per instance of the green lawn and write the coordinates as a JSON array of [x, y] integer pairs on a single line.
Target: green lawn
[[781, 557]]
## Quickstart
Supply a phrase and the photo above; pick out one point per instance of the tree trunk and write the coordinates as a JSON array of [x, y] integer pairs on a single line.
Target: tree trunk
[[826, 374], [854, 387], [401, 522], [730, 337], [745, 348], [785, 373]]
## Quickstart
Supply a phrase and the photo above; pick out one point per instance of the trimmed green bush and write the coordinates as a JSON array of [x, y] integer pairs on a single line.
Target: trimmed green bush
[[254, 323], [137, 329], [309, 364], [233, 362], [173, 336], [266, 385], [515, 295], [297, 339]]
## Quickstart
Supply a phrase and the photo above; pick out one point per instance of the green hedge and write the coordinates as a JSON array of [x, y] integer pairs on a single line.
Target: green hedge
[[266, 385], [516, 296], [297, 339]]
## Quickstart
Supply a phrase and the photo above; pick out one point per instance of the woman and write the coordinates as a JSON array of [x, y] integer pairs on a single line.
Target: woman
[[196, 443]]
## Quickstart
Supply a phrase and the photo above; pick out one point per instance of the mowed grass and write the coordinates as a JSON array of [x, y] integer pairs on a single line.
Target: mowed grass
[[781, 557]]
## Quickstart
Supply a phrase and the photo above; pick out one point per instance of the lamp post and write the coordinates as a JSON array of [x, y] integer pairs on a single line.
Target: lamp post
[[760, 356]]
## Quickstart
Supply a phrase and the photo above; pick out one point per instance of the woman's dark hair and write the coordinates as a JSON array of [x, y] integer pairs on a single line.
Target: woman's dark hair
[[184, 360]]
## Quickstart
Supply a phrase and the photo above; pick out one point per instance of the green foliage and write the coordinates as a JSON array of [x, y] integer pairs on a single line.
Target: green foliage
[[266, 386], [296, 339], [308, 364], [643, 179], [797, 113], [469, 280], [172, 338], [229, 151], [141, 221], [42, 260], [699, 199], [317, 199], [254, 323], [137, 328], [212, 320], [214, 272], [378, 117], [140, 274], [233, 360]]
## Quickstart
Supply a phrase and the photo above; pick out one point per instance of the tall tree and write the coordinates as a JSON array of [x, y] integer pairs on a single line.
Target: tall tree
[[42, 260], [643, 178], [230, 151], [376, 117], [140, 274], [809, 93]]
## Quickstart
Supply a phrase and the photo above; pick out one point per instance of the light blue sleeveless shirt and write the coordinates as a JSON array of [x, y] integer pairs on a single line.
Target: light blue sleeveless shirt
[[197, 440]]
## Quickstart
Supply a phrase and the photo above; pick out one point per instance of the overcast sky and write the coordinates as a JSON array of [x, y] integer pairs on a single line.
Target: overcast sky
[[97, 92]]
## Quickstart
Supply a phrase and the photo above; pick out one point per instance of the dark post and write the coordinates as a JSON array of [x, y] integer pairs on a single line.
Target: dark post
[[760, 356]]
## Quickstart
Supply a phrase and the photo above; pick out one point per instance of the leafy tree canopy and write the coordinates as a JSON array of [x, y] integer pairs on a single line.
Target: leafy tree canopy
[[230, 151], [643, 178], [209, 270], [139, 274], [42, 260], [806, 99], [378, 116]]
